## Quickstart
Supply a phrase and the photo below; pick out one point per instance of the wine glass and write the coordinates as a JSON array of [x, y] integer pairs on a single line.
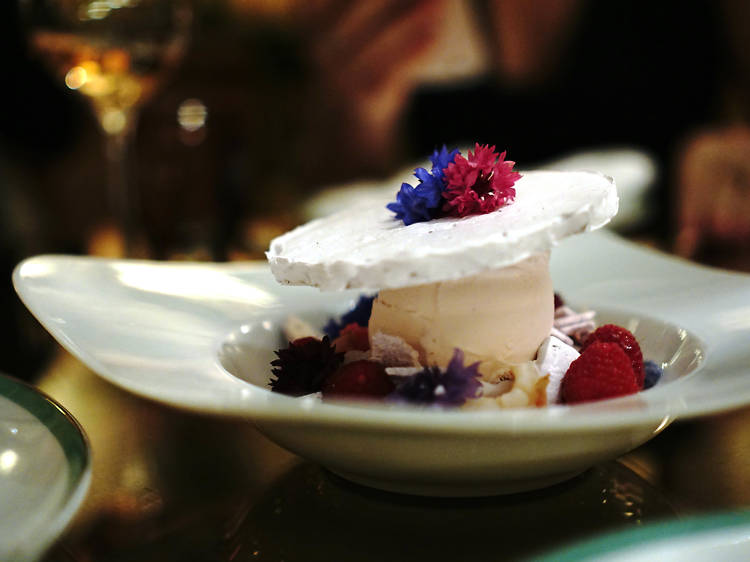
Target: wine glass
[[115, 53]]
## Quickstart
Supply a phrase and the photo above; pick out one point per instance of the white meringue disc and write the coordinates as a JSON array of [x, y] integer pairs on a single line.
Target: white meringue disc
[[366, 247]]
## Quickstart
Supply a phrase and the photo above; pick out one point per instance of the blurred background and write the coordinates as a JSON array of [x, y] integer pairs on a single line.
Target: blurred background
[[252, 108], [201, 129]]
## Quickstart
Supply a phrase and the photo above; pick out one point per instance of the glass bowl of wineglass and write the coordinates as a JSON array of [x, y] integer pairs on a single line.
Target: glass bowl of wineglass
[[115, 53]]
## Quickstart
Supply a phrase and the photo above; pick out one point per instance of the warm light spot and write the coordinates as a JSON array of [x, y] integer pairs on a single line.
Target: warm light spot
[[113, 121], [8, 459], [116, 60], [97, 10], [106, 241], [76, 77], [98, 86], [128, 91], [91, 67], [100, 9], [86, 73], [192, 114]]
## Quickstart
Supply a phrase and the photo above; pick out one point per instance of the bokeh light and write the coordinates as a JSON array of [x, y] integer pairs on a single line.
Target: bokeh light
[[192, 114]]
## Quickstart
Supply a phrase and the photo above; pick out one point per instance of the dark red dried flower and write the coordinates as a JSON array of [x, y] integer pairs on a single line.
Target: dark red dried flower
[[302, 367]]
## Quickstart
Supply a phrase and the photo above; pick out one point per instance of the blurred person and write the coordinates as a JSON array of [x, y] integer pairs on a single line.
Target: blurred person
[[713, 165], [561, 75], [713, 174], [366, 58]]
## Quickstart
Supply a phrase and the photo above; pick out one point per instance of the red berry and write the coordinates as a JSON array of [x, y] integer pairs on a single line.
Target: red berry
[[626, 340], [352, 337], [358, 379], [602, 371]]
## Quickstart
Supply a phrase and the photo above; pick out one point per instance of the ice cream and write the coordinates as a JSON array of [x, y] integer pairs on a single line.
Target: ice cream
[[503, 314]]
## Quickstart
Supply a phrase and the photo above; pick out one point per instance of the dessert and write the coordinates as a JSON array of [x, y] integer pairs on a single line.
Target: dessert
[[502, 313], [465, 312]]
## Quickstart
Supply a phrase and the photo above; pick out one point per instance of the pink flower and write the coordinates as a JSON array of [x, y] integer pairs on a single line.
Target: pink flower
[[480, 184]]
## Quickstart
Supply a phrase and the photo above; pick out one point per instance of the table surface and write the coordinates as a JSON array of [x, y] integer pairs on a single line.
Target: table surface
[[170, 485]]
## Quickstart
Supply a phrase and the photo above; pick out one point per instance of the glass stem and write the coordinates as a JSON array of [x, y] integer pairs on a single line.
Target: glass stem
[[121, 192]]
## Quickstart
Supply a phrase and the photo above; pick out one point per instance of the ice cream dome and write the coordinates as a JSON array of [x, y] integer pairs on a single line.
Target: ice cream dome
[[460, 259], [502, 314]]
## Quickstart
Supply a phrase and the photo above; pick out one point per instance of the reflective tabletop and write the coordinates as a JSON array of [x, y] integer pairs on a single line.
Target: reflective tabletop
[[170, 485]]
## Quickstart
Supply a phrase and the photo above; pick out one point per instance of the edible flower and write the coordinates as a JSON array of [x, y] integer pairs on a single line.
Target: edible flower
[[422, 203], [432, 386], [302, 367], [359, 314], [457, 186], [479, 184]]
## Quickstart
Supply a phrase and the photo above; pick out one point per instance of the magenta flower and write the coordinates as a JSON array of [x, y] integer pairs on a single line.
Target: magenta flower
[[480, 184]]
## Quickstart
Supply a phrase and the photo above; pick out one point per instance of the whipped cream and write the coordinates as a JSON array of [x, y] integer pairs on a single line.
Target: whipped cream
[[366, 247], [501, 314]]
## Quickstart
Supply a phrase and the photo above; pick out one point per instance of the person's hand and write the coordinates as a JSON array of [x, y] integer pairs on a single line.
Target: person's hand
[[713, 196], [367, 56]]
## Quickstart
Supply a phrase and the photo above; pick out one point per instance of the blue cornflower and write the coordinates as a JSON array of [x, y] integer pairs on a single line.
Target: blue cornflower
[[432, 386], [423, 202], [359, 314], [414, 204], [440, 160]]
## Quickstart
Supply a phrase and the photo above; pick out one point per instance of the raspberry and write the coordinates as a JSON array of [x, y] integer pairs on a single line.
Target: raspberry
[[626, 340], [358, 379], [353, 337], [603, 370]]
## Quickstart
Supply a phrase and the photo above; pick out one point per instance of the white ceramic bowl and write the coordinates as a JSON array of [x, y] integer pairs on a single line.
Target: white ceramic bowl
[[45, 470], [200, 336]]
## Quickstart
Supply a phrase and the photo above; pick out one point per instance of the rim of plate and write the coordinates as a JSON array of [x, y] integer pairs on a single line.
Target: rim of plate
[[658, 406], [619, 543], [74, 442]]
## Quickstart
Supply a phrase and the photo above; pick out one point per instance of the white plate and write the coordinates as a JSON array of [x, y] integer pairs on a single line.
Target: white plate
[[44, 470], [200, 336], [724, 537]]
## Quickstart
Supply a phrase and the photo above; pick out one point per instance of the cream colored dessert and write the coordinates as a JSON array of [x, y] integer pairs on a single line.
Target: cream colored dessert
[[480, 284], [502, 314]]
